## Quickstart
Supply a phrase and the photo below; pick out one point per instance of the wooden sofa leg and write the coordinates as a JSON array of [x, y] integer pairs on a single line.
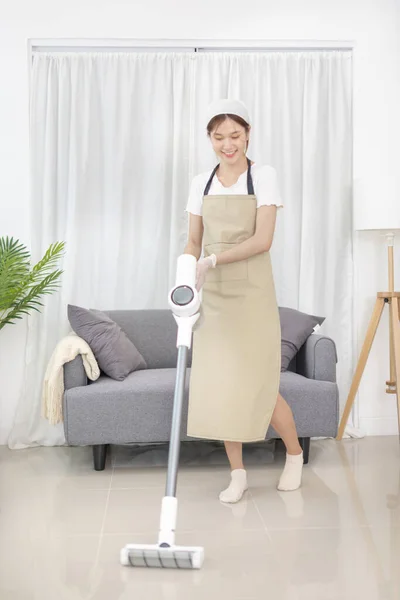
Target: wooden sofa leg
[[99, 456], [305, 444]]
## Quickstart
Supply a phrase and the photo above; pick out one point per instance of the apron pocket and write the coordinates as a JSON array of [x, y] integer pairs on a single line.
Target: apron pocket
[[237, 271]]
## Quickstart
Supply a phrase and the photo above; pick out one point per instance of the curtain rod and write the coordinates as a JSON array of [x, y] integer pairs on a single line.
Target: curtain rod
[[47, 44]]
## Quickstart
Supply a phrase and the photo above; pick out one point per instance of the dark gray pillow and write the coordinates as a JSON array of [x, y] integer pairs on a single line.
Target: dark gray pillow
[[116, 355], [295, 329]]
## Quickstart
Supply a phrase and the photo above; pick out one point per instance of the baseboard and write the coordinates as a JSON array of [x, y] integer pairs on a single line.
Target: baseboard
[[379, 425]]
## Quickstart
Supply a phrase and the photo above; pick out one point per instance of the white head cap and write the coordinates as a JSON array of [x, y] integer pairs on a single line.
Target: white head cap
[[228, 107]]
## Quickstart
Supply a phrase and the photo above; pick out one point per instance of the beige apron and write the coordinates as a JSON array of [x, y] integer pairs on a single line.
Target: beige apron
[[235, 373]]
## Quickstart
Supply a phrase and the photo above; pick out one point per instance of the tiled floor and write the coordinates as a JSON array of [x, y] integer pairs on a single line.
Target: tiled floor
[[338, 538]]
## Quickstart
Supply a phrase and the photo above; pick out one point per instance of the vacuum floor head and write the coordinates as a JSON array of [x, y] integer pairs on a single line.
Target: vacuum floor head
[[154, 556]]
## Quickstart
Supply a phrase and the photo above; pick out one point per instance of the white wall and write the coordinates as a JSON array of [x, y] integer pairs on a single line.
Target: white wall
[[373, 25]]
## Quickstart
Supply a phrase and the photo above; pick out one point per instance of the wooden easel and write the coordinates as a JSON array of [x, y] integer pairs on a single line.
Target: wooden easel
[[392, 299]]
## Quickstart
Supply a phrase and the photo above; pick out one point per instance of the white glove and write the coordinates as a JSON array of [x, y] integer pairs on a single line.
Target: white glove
[[201, 269]]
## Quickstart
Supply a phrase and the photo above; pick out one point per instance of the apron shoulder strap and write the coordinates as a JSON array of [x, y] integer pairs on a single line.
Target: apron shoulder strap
[[250, 186], [209, 182]]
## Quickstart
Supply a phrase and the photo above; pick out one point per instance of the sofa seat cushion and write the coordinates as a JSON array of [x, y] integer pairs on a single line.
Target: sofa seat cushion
[[315, 404], [138, 408]]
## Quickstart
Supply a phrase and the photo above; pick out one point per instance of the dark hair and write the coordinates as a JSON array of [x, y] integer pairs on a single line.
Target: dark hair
[[218, 119]]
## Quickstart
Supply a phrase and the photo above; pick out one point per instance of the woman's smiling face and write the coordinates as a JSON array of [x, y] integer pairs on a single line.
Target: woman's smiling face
[[229, 141]]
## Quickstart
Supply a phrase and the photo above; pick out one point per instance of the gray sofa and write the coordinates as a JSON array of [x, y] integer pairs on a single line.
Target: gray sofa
[[139, 409]]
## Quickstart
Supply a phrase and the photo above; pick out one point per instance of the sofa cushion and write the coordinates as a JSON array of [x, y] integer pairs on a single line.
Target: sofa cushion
[[315, 405], [139, 409], [115, 353], [154, 333], [296, 327]]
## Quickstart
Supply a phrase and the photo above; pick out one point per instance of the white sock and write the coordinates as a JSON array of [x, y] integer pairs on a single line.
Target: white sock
[[291, 477], [237, 487]]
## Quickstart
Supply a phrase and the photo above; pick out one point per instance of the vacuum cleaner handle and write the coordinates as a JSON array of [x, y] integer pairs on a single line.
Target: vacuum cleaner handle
[[184, 302], [174, 445]]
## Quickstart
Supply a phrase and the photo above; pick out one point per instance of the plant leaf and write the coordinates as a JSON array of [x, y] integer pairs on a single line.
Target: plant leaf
[[21, 287]]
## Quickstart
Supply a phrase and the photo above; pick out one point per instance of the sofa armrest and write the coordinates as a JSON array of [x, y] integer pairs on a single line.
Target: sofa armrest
[[317, 358], [74, 373]]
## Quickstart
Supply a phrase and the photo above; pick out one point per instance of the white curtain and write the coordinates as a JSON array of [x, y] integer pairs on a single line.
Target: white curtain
[[115, 141]]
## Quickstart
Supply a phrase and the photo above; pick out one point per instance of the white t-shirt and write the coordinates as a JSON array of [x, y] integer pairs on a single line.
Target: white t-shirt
[[265, 183]]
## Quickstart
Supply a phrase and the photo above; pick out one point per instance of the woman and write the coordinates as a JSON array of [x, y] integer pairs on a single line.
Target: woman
[[234, 384]]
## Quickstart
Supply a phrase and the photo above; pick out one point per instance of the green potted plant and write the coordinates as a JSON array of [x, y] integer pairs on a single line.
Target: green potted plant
[[22, 286]]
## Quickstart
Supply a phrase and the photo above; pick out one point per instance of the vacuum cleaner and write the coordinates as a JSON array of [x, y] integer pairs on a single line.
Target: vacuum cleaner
[[184, 302]]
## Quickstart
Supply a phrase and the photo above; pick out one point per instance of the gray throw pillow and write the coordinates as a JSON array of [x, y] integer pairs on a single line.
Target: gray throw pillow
[[295, 329], [116, 355]]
